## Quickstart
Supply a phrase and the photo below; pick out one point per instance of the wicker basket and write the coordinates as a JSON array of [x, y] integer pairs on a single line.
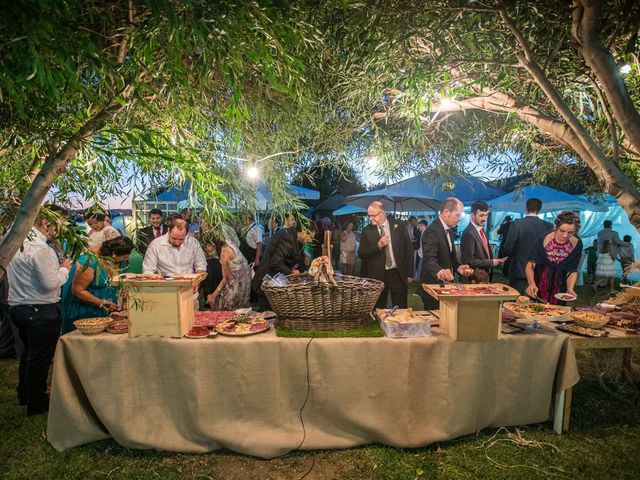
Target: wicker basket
[[91, 326], [305, 305], [590, 319]]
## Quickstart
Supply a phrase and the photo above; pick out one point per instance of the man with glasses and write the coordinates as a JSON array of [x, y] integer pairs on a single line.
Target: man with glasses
[[440, 258], [387, 255]]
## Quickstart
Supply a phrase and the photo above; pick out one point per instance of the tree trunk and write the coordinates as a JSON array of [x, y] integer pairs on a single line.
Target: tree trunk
[[54, 166]]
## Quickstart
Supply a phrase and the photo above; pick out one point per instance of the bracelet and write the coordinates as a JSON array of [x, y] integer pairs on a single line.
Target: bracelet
[[101, 303]]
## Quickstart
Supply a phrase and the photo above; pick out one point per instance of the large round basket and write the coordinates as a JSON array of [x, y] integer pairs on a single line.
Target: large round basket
[[306, 305]]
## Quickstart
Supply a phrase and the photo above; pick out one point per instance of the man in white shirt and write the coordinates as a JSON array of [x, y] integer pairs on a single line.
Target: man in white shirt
[[35, 277], [175, 252]]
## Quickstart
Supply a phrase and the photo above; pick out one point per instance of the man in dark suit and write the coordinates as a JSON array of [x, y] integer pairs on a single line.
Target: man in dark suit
[[522, 235], [440, 259], [387, 255], [153, 231], [474, 246]]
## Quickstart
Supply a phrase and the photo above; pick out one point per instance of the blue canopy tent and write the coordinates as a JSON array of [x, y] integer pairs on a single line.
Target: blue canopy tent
[[552, 201], [348, 210], [465, 188]]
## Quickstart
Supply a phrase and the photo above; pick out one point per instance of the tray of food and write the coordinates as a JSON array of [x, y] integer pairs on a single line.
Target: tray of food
[[508, 328], [582, 331], [466, 291], [524, 308], [242, 325], [210, 318], [405, 322], [148, 279], [197, 332], [118, 326]]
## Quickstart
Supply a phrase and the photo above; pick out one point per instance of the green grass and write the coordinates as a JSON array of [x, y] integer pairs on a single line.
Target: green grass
[[603, 443], [372, 330]]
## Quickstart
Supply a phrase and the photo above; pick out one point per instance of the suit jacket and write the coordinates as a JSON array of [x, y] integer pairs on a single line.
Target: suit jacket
[[520, 239], [472, 250], [146, 236], [373, 257], [436, 254]]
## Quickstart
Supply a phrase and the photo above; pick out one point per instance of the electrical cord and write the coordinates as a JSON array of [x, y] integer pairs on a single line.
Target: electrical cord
[[304, 404]]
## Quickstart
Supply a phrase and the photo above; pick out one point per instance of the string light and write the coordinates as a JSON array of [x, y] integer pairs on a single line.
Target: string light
[[626, 68]]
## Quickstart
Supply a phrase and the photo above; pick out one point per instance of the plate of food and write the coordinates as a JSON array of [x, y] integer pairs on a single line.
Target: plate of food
[[582, 331], [211, 318], [565, 297], [118, 326], [198, 332], [524, 308], [242, 325]]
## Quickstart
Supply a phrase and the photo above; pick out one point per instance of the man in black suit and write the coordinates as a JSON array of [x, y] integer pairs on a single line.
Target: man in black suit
[[387, 255], [474, 246], [522, 235], [153, 231], [440, 259]]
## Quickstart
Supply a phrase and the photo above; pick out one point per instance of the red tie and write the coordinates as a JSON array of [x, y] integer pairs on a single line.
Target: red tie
[[157, 230], [484, 242]]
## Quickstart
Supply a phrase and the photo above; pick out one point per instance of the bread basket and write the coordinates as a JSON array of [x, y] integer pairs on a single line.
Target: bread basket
[[590, 319], [93, 325]]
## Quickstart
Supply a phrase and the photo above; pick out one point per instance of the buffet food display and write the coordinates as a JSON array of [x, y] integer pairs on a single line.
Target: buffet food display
[[405, 322], [523, 307], [471, 312]]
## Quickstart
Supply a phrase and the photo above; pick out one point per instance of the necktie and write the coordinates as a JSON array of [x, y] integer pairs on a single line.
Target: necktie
[[387, 253], [157, 230], [485, 244], [450, 240]]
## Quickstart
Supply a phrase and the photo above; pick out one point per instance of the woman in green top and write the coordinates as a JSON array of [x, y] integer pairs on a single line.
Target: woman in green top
[[89, 292]]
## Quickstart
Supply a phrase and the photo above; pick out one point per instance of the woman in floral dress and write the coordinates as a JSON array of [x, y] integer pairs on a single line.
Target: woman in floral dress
[[554, 258], [233, 290]]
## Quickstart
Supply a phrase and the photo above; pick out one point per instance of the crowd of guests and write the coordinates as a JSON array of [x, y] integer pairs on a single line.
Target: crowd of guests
[[44, 292]]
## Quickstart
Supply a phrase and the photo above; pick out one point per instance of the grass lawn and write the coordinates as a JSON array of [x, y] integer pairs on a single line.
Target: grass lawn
[[603, 443]]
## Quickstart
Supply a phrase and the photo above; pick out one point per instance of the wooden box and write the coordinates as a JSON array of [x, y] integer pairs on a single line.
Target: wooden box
[[162, 307], [470, 317]]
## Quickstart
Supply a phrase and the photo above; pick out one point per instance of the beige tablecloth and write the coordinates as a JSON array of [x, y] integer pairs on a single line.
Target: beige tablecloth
[[246, 394]]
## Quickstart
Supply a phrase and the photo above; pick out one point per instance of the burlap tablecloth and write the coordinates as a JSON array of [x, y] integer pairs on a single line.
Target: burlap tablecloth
[[246, 394]]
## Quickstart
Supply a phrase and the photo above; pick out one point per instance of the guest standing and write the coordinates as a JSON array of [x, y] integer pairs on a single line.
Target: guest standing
[[35, 276], [233, 290], [592, 261], [387, 250], [155, 229], [440, 258], [89, 291], [474, 246], [251, 239], [626, 255], [554, 259], [605, 267], [348, 250], [100, 228], [522, 233]]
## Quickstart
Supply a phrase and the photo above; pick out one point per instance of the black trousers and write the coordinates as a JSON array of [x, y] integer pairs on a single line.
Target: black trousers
[[10, 347], [394, 285], [39, 328]]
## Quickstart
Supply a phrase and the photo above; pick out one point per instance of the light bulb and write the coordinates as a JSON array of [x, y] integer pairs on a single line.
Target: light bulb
[[626, 68]]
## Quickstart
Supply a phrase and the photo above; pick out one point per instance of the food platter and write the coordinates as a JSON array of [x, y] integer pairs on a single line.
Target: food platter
[[156, 279], [118, 326], [197, 332], [508, 328], [211, 318], [242, 326], [537, 311], [581, 331], [470, 291], [565, 297]]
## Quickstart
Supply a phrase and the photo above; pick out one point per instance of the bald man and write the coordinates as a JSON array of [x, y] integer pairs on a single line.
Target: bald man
[[387, 255]]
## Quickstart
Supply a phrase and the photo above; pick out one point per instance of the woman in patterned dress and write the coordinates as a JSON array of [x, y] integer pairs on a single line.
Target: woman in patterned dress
[[233, 290], [554, 258]]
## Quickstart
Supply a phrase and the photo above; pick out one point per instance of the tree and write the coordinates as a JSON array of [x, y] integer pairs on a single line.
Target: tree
[[89, 87], [537, 83]]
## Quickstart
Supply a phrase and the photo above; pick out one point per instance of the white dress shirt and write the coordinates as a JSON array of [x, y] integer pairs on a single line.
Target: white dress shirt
[[162, 257], [387, 230], [254, 235], [34, 274]]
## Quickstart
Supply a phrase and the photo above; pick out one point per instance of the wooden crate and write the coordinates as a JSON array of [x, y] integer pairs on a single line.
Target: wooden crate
[[472, 317], [161, 308]]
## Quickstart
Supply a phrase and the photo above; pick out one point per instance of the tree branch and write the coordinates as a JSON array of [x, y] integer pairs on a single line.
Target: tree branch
[[610, 120], [586, 16]]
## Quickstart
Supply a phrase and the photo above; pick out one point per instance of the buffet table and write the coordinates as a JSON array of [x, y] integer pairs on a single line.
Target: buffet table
[[249, 394]]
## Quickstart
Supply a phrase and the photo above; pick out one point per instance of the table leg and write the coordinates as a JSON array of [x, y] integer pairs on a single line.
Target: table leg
[[628, 364], [566, 415], [562, 411]]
